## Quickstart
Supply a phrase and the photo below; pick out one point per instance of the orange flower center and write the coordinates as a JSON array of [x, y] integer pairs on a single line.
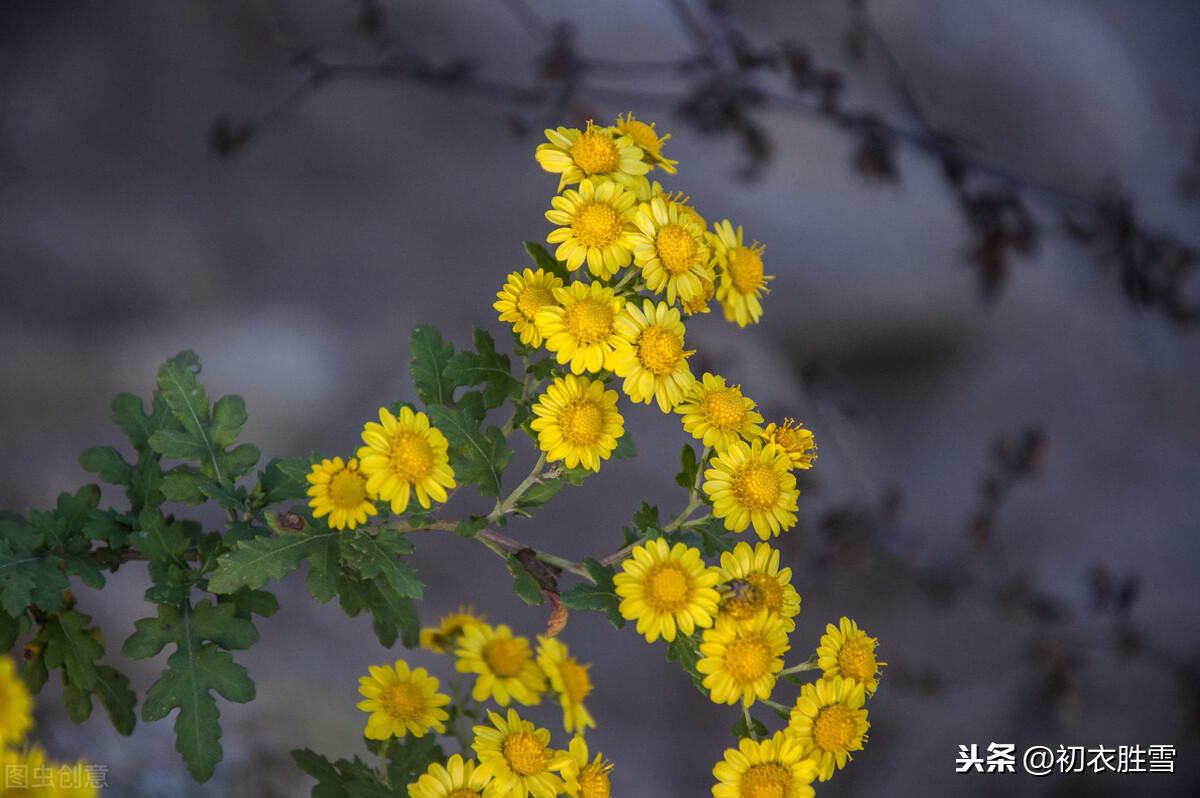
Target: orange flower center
[[525, 753], [676, 248], [533, 297], [589, 321], [724, 408], [834, 729], [411, 456], [667, 587], [594, 153], [347, 489], [597, 224], [576, 683], [748, 658], [772, 593], [659, 350], [582, 423], [403, 701], [756, 486], [746, 269], [766, 780], [856, 660], [504, 656]]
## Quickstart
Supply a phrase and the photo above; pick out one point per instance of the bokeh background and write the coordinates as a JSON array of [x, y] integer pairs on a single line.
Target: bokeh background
[[297, 266]]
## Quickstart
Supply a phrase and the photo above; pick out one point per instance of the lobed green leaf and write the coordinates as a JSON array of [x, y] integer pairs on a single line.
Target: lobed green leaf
[[484, 367], [475, 458], [430, 355]]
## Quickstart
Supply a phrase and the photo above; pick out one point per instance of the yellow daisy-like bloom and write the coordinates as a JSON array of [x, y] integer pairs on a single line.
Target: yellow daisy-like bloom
[[741, 273], [774, 768], [570, 682], [576, 154], [442, 638], [669, 247], [594, 225], [580, 328], [458, 778], [16, 704], [665, 588], [520, 299], [401, 702], [586, 779], [404, 453], [829, 722], [517, 755], [741, 658], [339, 490], [650, 354], [506, 668], [699, 303], [646, 137], [753, 484], [752, 581], [718, 414], [794, 440], [845, 650], [577, 422]]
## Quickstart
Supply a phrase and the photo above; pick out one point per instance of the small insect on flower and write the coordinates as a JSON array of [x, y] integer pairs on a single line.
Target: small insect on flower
[[738, 591]]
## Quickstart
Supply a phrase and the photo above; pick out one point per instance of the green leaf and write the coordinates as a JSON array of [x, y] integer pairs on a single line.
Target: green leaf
[[228, 417], [197, 668], [130, 415], [381, 556], [544, 261], [478, 459], [755, 730], [626, 448], [484, 367], [646, 518], [524, 585], [108, 526], [688, 468], [409, 758], [27, 575], [107, 464], [183, 484], [686, 650], [68, 643], [329, 779], [285, 480], [11, 628], [600, 596], [118, 700], [256, 561], [468, 527], [324, 569], [540, 493], [428, 367]]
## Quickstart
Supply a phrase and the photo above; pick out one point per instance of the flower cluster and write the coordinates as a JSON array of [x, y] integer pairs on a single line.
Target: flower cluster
[[24, 765], [514, 757], [651, 260], [402, 454]]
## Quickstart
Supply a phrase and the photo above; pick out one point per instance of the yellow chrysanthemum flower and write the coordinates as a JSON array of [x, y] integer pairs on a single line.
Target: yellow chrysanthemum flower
[[404, 453], [570, 682], [646, 137], [669, 247], [586, 779], [445, 636], [506, 667], [518, 757], [741, 658], [829, 722], [594, 226], [846, 651], [339, 490], [774, 767], [741, 274], [401, 701], [753, 484], [577, 422], [580, 329], [458, 778], [650, 354], [752, 581], [16, 704], [794, 440], [718, 414], [665, 588], [699, 303], [522, 296], [576, 154]]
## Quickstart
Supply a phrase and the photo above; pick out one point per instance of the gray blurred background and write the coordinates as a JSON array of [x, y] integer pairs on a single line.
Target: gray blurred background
[[297, 267]]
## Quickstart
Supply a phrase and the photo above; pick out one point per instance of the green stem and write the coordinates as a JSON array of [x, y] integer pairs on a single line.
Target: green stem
[[783, 709], [809, 664], [749, 723], [506, 506]]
